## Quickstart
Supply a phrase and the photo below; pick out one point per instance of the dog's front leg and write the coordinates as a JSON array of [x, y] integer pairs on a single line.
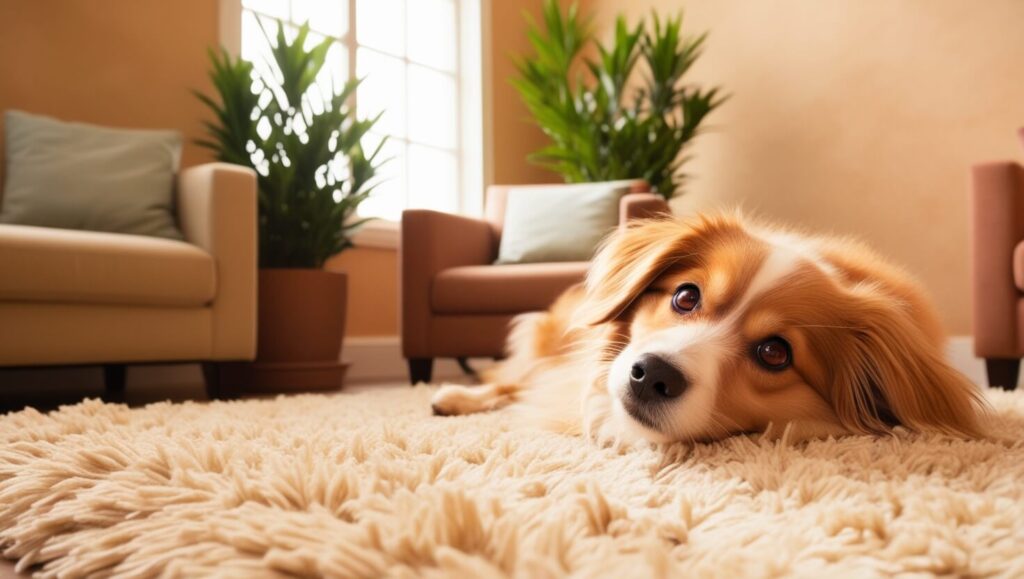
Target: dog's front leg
[[455, 400]]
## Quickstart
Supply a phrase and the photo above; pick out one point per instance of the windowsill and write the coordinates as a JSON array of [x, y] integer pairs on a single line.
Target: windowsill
[[377, 234]]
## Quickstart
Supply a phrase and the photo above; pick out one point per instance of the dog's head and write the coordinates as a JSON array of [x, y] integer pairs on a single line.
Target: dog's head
[[719, 327]]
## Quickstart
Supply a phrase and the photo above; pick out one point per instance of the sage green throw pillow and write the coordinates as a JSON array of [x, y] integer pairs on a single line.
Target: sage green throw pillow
[[79, 176], [558, 222]]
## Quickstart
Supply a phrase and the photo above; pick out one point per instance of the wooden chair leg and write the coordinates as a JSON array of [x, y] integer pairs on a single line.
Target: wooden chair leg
[[466, 368], [1003, 372], [211, 379], [420, 370], [114, 381]]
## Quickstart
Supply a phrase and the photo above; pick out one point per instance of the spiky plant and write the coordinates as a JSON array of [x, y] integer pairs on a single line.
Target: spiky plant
[[627, 114], [312, 170]]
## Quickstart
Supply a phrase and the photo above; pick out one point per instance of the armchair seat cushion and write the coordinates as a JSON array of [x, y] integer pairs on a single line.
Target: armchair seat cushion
[[503, 289], [42, 264]]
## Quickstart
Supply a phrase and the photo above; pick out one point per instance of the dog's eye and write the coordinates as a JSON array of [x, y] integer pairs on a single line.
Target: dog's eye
[[686, 299], [774, 353]]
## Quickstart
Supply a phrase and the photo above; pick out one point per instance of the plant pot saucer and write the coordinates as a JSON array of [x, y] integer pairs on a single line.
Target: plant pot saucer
[[279, 377]]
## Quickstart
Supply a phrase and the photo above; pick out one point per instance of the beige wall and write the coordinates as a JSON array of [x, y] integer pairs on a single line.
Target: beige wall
[[514, 136], [857, 117], [372, 290], [128, 63]]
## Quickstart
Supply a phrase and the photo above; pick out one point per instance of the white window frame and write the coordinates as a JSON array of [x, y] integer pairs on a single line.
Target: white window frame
[[473, 148]]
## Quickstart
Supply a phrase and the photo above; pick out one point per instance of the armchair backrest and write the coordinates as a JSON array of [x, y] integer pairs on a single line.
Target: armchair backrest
[[497, 197]]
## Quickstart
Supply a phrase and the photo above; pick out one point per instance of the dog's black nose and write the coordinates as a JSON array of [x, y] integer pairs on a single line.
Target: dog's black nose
[[653, 379]]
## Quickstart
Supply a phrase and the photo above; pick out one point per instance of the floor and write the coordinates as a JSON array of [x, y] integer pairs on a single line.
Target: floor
[[49, 396], [54, 393], [486, 491]]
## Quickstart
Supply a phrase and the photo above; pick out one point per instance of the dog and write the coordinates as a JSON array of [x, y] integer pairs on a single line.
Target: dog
[[700, 329]]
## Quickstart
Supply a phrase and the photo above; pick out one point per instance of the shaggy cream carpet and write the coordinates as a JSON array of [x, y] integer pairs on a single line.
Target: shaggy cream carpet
[[369, 484]]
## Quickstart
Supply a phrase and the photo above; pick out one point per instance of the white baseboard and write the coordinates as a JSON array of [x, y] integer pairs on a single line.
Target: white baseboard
[[371, 359], [379, 359]]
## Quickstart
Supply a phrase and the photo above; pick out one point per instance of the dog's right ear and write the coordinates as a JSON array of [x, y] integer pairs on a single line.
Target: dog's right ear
[[628, 261], [886, 372]]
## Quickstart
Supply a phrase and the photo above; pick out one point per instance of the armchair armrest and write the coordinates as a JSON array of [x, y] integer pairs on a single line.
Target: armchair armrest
[[642, 206], [217, 212], [431, 242], [997, 226]]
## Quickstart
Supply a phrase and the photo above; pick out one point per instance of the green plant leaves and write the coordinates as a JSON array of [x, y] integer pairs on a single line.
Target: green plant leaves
[[306, 209], [632, 116]]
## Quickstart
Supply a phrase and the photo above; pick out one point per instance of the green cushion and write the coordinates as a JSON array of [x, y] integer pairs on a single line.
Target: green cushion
[[78, 176], [558, 222]]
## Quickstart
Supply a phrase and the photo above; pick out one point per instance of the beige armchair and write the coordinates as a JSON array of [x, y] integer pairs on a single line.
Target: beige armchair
[[997, 268], [455, 303], [70, 297]]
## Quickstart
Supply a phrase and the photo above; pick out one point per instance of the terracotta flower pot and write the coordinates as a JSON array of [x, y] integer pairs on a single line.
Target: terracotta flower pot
[[300, 328]]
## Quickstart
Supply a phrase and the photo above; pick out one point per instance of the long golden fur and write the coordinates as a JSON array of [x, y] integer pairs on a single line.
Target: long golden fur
[[862, 345]]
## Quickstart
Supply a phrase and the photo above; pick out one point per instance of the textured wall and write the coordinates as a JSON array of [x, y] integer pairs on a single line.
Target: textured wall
[[372, 290], [514, 135], [857, 117], [124, 63]]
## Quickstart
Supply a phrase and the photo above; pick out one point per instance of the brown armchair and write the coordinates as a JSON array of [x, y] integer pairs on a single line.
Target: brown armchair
[[455, 302], [997, 268]]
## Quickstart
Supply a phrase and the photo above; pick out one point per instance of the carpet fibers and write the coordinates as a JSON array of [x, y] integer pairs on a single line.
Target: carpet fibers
[[369, 484]]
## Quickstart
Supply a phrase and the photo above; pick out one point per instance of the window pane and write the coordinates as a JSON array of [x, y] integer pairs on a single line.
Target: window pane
[[388, 199], [383, 89], [432, 107], [333, 75], [433, 179], [255, 48], [329, 17], [275, 8], [418, 97], [380, 24], [432, 33]]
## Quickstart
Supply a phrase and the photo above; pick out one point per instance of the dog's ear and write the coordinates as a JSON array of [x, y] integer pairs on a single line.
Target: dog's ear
[[885, 372], [627, 262]]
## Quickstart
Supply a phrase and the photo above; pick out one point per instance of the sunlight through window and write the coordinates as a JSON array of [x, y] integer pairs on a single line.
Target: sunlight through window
[[408, 53]]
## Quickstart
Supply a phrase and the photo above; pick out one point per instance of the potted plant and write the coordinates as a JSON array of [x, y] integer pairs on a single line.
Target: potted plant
[[312, 175], [627, 113]]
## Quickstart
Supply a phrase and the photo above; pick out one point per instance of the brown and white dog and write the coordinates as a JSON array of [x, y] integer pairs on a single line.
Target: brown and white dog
[[698, 330]]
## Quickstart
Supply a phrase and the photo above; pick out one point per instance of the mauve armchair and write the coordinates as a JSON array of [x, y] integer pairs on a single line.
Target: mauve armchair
[[997, 267], [455, 302]]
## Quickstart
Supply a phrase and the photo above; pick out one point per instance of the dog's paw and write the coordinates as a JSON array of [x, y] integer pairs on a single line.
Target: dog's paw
[[456, 400], [605, 435], [448, 400], [605, 432]]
